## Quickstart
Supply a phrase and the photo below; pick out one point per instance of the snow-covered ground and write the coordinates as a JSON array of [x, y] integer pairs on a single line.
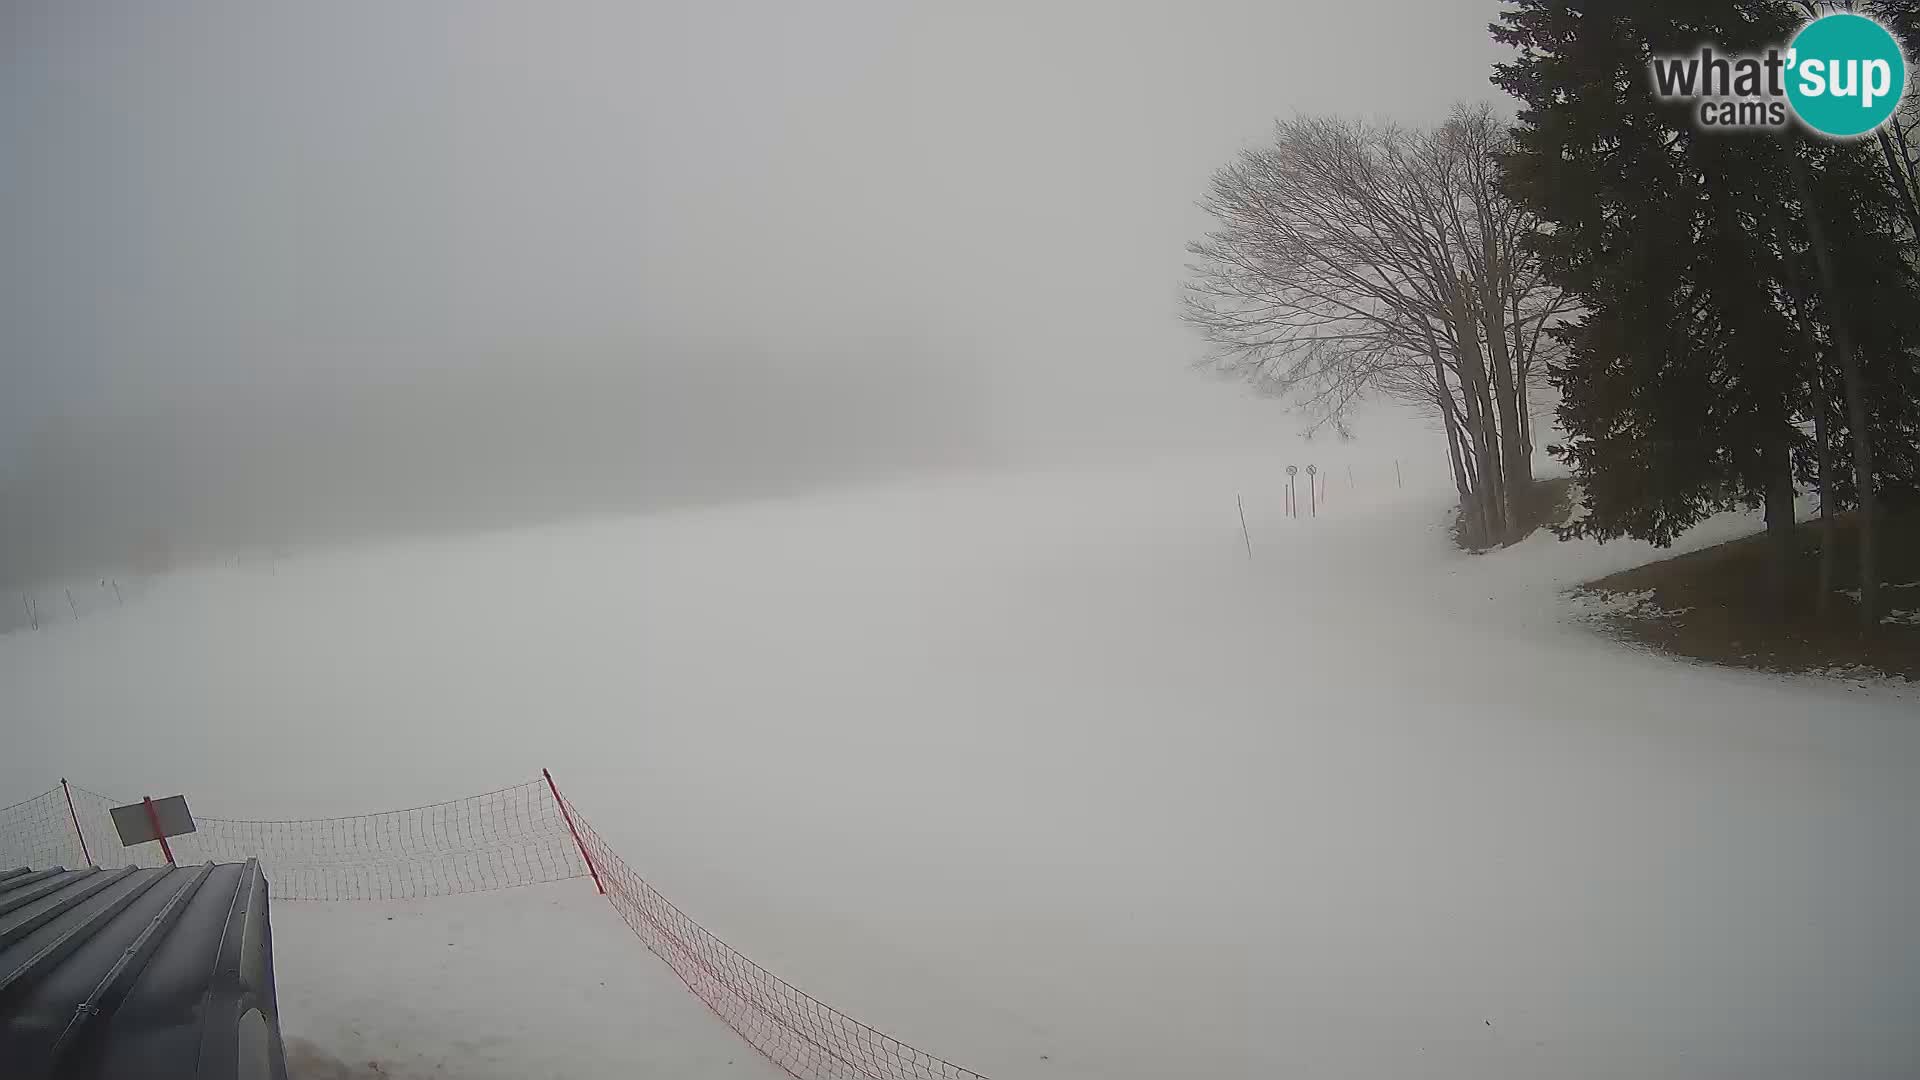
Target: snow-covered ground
[[537, 983], [1042, 773]]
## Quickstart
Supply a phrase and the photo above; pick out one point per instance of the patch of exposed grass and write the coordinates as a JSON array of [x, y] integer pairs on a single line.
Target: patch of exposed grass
[[1716, 605]]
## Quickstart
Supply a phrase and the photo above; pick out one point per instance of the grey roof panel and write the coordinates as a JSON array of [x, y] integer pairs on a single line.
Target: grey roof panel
[[164, 973]]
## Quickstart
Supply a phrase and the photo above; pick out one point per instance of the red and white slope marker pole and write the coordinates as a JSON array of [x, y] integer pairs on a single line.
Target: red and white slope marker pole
[[561, 803]]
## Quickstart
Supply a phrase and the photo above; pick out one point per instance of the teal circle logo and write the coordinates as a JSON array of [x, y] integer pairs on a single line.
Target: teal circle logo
[[1846, 75]]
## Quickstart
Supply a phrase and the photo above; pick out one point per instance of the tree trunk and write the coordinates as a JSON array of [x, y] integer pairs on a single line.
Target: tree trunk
[[1492, 468], [1526, 423], [1898, 176], [1777, 465], [1515, 467], [1823, 597], [1459, 457], [1522, 374], [1480, 423], [1816, 379], [1863, 479], [1461, 482], [1855, 390], [1458, 467]]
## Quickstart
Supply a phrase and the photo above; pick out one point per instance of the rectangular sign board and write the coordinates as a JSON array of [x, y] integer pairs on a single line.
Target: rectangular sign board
[[136, 826]]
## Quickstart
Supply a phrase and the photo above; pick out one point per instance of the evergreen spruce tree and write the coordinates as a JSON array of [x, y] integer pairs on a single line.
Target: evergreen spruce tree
[[1687, 379]]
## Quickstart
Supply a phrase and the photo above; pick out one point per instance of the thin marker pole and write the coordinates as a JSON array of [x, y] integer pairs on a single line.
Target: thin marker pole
[[76, 822], [576, 832], [153, 817], [1244, 535]]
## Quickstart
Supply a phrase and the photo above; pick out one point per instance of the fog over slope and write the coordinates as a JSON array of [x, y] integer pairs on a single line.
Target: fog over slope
[[279, 272], [489, 447]]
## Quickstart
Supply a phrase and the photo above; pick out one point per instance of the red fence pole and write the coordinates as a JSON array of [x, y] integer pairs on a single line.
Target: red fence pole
[[576, 832], [154, 817], [76, 822]]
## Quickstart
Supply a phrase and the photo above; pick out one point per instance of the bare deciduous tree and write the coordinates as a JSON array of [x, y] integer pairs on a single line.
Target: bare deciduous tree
[[1351, 259]]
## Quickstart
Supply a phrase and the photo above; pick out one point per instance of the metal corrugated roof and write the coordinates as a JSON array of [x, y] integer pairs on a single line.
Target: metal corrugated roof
[[162, 973]]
